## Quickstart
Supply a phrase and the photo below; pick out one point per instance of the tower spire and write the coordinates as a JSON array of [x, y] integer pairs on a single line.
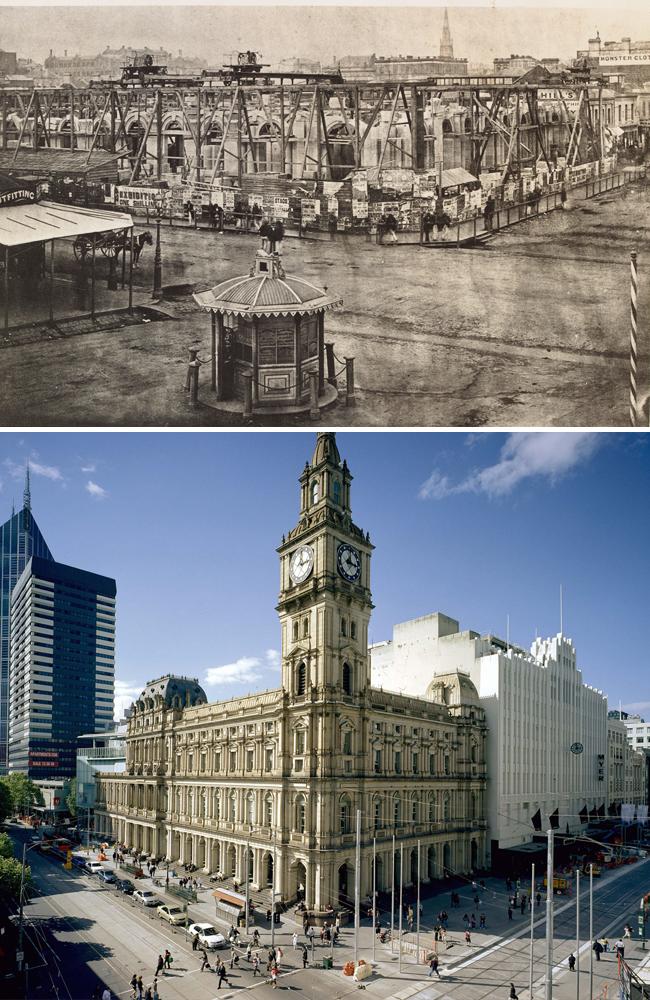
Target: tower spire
[[27, 496], [446, 42]]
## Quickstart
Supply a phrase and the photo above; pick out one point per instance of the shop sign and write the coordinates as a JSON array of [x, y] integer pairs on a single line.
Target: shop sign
[[623, 58], [20, 197]]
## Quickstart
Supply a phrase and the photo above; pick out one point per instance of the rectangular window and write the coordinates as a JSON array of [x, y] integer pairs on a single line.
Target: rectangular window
[[377, 761], [190, 761], [398, 761], [233, 760], [415, 763], [217, 761], [300, 741], [432, 763], [347, 743], [249, 760], [268, 760], [353, 630]]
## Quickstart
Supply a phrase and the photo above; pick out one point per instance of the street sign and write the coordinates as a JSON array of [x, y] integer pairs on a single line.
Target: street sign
[[576, 748]]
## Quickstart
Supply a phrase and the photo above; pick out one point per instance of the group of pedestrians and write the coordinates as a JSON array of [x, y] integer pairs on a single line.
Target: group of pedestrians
[[141, 992]]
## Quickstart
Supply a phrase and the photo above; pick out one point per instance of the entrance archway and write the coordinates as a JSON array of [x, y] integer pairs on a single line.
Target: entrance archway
[[414, 866], [267, 869], [299, 878], [231, 861], [345, 882], [341, 144], [250, 858], [474, 855], [446, 859], [431, 862], [379, 873], [200, 853]]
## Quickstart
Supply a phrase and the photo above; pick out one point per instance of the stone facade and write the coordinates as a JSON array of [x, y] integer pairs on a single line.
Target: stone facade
[[231, 786]]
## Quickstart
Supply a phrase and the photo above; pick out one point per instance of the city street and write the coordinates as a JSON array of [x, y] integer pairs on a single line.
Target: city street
[[86, 932], [531, 330]]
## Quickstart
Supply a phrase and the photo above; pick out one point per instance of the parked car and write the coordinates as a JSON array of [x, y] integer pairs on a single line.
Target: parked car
[[125, 886], [209, 937], [173, 914], [146, 897], [107, 876], [93, 867]]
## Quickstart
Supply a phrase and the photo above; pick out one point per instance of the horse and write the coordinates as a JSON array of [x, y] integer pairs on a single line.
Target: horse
[[139, 242]]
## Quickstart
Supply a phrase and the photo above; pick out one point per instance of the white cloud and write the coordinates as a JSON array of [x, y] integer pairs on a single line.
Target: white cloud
[[543, 454], [48, 471], [96, 491], [635, 707], [245, 670], [125, 695], [88, 468]]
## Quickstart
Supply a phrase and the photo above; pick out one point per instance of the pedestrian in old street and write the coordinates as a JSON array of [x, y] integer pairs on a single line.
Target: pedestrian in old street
[[620, 949], [598, 949], [428, 220], [433, 966], [205, 964], [294, 941], [572, 962], [140, 987], [482, 920], [134, 986], [249, 951], [222, 976], [256, 938], [155, 995], [256, 965], [472, 922], [466, 919], [468, 937], [513, 992], [160, 965], [274, 977], [522, 905], [147, 994], [509, 913], [488, 215], [337, 923], [195, 942], [168, 959], [304, 958]]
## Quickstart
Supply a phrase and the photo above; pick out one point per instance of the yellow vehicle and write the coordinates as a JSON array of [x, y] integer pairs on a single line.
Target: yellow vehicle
[[560, 885]]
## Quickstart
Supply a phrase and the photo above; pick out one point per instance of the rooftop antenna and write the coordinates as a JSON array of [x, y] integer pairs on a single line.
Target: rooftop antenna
[[27, 496], [507, 633], [561, 611]]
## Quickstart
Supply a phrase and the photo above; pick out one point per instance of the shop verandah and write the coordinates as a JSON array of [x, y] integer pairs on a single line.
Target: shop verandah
[[34, 233]]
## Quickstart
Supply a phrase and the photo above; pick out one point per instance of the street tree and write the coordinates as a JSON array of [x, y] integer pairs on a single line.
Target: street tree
[[6, 802], [71, 799], [10, 870], [6, 846], [24, 793]]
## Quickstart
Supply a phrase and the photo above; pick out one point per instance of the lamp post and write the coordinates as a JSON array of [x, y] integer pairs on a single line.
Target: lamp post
[[548, 993], [20, 957], [532, 928], [157, 261]]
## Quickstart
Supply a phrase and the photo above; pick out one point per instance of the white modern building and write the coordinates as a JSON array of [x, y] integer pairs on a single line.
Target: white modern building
[[626, 771], [547, 730], [638, 732]]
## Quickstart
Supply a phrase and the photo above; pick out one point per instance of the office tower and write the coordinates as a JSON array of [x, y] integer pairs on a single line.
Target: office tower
[[62, 665], [20, 539]]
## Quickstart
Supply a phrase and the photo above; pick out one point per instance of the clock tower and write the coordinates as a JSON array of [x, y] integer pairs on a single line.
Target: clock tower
[[325, 601]]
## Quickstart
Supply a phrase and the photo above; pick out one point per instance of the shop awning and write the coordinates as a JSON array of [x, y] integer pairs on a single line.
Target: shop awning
[[38, 222], [45, 161], [456, 176]]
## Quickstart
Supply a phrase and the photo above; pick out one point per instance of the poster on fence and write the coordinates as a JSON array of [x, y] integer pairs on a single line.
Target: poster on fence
[[280, 207], [228, 199], [333, 206], [359, 208], [309, 210], [360, 185]]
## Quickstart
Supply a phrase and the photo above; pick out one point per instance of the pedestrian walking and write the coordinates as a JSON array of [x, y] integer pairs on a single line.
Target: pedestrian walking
[[468, 937], [482, 920], [249, 952], [274, 977], [627, 931], [155, 995], [472, 922], [598, 949], [433, 966], [160, 965], [538, 898], [205, 964], [513, 992], [140, 987], [147, 994], [134, 986], [168, 959], [522, 905], [294, 940], [304, 958], [222, 976], [620, 949], [195, 942], [563, 196], [256, 938], [572, 962], [509, 913], [466, 919], [256, 965]]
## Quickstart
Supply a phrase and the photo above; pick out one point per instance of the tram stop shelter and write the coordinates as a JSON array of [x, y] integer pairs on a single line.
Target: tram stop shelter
[[27, 225], [268, 341]]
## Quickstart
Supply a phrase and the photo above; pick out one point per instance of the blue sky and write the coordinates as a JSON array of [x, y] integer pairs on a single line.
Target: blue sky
[[480, 526]]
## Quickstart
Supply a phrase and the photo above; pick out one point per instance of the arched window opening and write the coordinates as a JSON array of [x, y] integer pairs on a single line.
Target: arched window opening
[[250, 808], [315, 492], [300, 814], [268, 809], [295, 631], [301, 678], [397, 811], [347, 679], [345, 814], [336, 491], [305, 628], [447, 127], [232, 807]]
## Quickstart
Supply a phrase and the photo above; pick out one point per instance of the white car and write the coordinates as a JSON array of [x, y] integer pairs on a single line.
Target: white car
[[146, 897], [93, 867], [173, 914], [209, 937]]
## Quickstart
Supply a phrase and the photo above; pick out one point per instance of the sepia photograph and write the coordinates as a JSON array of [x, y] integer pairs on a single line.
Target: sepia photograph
[[353, 216]]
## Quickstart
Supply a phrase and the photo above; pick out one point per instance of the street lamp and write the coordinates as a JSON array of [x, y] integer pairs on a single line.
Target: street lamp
[[159, 206], [20, 954]]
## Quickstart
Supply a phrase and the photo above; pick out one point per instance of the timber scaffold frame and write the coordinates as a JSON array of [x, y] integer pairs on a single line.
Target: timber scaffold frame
[[320, 131]]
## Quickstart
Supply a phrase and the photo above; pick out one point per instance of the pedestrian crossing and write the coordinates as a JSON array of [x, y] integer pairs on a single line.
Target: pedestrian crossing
[[419, 991]]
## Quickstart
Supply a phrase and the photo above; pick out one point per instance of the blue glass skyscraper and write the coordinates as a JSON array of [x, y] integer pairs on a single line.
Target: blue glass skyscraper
[[20, 539]]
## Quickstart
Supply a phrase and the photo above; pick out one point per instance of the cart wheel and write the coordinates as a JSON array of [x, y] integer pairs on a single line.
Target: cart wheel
[[107, 249]]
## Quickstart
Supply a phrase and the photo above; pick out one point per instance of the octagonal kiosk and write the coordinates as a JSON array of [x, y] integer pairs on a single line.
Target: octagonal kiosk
[[268, 341]]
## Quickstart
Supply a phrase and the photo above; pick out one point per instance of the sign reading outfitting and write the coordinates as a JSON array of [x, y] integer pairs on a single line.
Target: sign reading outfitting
[[19, 197]]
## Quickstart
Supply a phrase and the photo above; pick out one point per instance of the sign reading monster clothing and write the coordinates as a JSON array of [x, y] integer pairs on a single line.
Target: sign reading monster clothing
[[623, 58]]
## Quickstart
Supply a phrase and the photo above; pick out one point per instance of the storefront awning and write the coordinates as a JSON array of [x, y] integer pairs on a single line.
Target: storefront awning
[[456, 176], [38, 222]]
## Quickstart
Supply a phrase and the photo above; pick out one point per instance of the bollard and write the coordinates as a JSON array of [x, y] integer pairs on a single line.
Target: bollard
[[314, 408], [331, 369], [349, 382], [190, 365], [247, 381]]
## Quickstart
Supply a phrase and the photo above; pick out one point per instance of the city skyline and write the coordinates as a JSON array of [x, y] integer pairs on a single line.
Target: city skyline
[[113, 501], [479, 33]]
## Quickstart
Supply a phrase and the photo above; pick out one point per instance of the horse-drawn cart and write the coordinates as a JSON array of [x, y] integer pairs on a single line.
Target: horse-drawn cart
[[111, 244]]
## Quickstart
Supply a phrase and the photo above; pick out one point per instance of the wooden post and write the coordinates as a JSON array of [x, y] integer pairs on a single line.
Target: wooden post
[[159, 135], [314, 409], [247, 379], [92, 282], [220, 357], [6, 291], [256, 341], [123, 259], [51, 282], [213, 363], [321, 351], [298, 361], [191, 364], [349, 382], [131, 275], [331, 369]]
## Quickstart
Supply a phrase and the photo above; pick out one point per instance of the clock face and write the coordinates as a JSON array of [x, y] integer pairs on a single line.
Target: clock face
[[302, 563], [348, 561]]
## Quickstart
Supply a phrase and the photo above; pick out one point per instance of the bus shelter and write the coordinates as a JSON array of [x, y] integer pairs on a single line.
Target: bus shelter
[[27, 226]]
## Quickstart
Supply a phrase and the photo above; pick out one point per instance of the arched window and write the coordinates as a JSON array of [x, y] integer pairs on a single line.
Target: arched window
[[468, 126], [268, 809], [232, 807], [447, 127], [295, 631], [203, 811], [344, 627], [345, 814], [445, 808], [336, 491], [397, 811], [301, 678], [347, 678], [315, 492], [216, 806], [300, 814], [473, 753], [305, 628], [250, 807], [377, 813], [415, 810], [432, 810]]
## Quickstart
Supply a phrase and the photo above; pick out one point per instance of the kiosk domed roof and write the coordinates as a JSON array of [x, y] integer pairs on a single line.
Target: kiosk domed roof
[[266, 291]]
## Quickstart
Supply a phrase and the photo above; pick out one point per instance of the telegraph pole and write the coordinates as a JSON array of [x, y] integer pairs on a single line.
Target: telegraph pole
[[577, 934], [548, 992]]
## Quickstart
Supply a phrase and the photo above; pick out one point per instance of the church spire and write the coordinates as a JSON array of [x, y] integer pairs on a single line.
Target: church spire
[[27, 496], [446, 42]]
